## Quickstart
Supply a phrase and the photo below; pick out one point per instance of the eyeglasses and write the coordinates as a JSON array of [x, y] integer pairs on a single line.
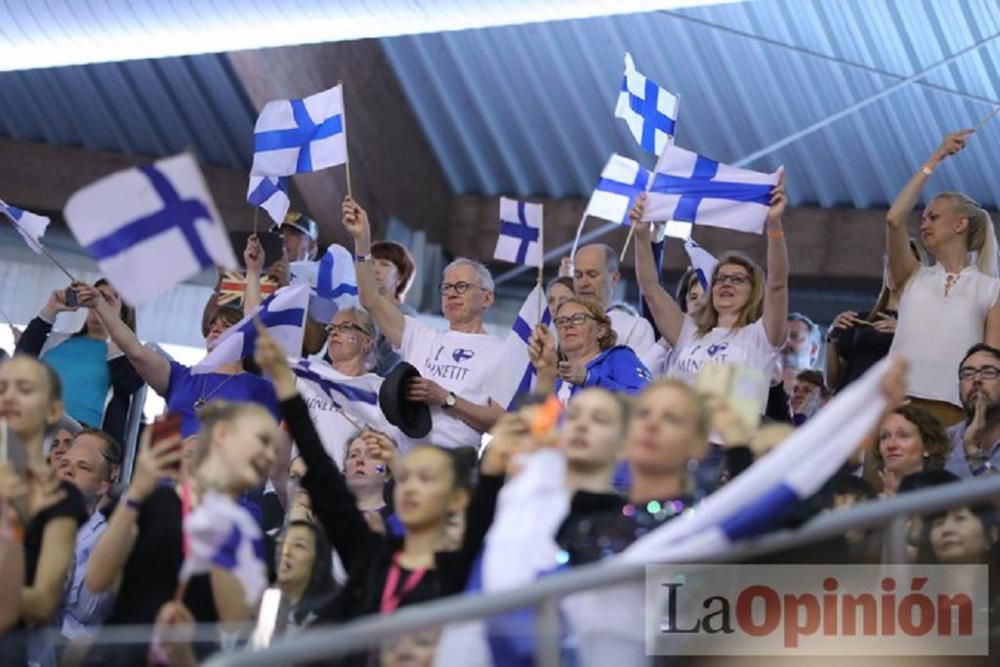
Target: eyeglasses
[[576, 320], [459, 288], [734, 279], [986, 373], [344, 328]]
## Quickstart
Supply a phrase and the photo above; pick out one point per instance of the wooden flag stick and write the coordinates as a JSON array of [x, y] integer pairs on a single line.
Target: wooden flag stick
[[6, 317], [256, 210], [56, 262], [631, 231], [986, 118], [541, 265], [576, 241], [347, 154]]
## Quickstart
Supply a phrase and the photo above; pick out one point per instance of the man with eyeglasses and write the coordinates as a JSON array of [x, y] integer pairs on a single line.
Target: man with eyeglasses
[[92, 465], [976, 441], [456, 365]]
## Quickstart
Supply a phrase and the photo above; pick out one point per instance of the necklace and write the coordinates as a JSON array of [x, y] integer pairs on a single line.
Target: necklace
[[202, 401]]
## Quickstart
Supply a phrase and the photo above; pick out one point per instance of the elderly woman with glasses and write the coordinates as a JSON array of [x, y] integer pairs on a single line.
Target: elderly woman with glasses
[[586, 356]]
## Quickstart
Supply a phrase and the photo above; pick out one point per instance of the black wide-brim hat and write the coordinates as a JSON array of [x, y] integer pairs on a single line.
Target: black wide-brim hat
[[411, 417]]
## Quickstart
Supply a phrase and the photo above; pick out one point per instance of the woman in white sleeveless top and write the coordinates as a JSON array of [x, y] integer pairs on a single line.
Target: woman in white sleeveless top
[[950, 306], [745, 315]]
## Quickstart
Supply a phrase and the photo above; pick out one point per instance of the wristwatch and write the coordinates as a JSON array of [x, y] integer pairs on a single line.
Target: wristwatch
[[363, 258], [450, 400]]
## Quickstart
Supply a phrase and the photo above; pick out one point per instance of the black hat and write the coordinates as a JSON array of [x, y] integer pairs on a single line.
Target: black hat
[[412, 417]]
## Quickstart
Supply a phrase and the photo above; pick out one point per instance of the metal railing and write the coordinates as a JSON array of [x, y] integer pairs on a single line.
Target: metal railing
[[543, 594]]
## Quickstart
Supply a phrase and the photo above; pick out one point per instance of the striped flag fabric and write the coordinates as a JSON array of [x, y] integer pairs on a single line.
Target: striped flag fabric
[[649, 110], [271, 194], [221, 534], [332, 282], [282, 314], [622, 181], [692, 189], [515, 377], [30, 226], [300, 136], [520, 238]]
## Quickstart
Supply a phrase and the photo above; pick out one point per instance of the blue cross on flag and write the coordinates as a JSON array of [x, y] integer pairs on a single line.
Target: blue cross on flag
[[283, 314], [299, 136], [520, 240], [649, 111], [516, 375], [151, 227], [333, 284], [701, 261], [622, 180], [271, 194], [693, 189], [29, 225]]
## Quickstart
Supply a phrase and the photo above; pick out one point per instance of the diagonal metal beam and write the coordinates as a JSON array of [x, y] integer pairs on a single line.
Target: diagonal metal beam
[[823, 56], [767, 150]]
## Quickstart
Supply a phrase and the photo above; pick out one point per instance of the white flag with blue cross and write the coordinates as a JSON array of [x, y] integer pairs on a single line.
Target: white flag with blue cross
[[30, 226], [622, 181], [271, 194], [520, 239], [649, 110], [300, 136], [150, 227]]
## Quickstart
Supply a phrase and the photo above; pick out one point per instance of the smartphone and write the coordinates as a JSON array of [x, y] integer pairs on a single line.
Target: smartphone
[[165, 428], [744, 388], [71, 300]]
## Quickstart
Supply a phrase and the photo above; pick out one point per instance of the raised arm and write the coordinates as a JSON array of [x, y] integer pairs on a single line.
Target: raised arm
[[666, 313], [332, 502], [253, 257], [33, 339], [387, 316], [776, 283], [112, 551], [150, 366], [545, 358], [902, 263]]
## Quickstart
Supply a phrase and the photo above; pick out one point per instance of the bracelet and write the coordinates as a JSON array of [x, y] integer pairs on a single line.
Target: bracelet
[[926, 171], [775, 236], [132, 504]]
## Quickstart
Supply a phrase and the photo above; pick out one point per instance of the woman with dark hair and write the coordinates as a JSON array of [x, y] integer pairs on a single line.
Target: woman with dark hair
[[910, 439], [586, 356], [946, 308], [87, 361], [853, 344], [690, 296], [305, 573], [558, 291], [394, 271]]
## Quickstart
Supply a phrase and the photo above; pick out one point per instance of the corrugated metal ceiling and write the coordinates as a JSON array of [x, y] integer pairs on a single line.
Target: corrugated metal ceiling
[[528, 110]]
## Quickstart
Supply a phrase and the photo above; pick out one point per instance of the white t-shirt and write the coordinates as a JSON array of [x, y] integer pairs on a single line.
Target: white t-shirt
[[657, 358], [746, 346], [459, 362], [334, 428], [934, 331], [635, 332]]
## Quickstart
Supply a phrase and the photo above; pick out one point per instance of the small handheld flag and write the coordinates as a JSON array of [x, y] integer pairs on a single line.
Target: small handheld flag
[[649, 110], [300, 136], [282, 314], [150, 227], [622, 181], [332, 282], [516, 375], [520, 236], [271, 194], [701, 261], [29, 225], [693, 189]]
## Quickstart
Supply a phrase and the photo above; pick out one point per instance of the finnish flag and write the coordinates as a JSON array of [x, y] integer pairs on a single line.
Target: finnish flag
[[283, 314], [29, 225], [702, 262], [516, 375], [333, 284], [150, 227], [221, 534], [520, 233], [622, 181], [299, 136], [690, 189], [271, 194], [649, 111]]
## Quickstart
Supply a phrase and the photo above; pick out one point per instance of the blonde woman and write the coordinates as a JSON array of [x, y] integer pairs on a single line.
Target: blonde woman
[[946, 308]]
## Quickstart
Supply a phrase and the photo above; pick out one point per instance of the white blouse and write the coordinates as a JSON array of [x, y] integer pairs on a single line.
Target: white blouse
[[935, 329]]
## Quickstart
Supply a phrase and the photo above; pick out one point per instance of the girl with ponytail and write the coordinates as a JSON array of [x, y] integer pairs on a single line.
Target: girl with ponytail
[[951, 305]]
